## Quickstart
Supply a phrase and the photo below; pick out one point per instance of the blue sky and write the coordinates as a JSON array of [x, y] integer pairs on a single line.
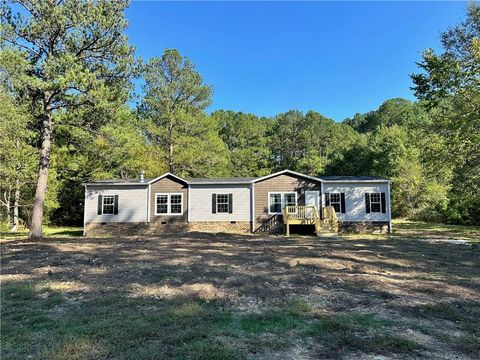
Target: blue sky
[[337, 58]]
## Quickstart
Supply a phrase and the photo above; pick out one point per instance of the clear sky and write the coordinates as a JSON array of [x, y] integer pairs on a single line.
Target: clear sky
[[337, 58]]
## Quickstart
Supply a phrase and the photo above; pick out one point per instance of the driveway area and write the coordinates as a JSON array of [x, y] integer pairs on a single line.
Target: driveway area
[[219, 296]]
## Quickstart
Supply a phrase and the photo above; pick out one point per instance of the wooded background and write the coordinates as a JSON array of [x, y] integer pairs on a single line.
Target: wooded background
[[66, 100]]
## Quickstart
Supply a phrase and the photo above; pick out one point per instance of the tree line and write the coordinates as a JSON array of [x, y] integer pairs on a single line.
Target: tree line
[[67, 73]]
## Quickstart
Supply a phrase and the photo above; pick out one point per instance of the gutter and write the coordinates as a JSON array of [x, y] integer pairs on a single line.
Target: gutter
[[116, 184], [356, 181]]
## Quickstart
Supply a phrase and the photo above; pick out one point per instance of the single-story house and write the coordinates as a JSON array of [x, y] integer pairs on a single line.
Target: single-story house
[[171, 203]]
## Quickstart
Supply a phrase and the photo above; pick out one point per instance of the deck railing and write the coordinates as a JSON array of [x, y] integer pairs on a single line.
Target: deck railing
[[300, 215], [307, 213], [330, 218]]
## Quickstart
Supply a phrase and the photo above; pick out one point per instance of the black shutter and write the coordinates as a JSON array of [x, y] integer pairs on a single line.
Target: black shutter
[[115, 206], [230, 203], [214, 203], [384, 208], [327, 199], [342, 203], [367, 203], [100, 203]]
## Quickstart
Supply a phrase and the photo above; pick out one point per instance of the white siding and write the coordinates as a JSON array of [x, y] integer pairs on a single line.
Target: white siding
[[355, 200], [201, 202], [132, 203]]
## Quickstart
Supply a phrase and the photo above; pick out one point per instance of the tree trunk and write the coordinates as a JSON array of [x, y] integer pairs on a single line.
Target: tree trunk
[[15, 205], [7, 206], [170, 149], [40, 192]]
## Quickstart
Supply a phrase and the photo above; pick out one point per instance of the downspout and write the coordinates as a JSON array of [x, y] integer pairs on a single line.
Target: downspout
[[252, 206], [389, 209], [85, 212], [148, 202], [320, 201], [189, 203]]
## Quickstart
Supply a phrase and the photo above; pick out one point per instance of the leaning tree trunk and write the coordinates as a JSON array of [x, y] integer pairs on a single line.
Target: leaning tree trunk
[[40, 192], [15, 205]]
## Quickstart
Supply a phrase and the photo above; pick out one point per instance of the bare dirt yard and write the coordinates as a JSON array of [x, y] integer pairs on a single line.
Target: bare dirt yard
[[219, 296]]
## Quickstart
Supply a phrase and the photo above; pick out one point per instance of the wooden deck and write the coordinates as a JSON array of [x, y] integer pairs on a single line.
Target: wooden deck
[[309, 215]]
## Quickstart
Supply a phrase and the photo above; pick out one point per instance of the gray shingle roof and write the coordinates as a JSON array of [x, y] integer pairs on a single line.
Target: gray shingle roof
[[119, 181], [353, 178], [230, 180], [220, 180]]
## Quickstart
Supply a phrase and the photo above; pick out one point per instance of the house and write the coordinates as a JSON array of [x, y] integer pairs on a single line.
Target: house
[[256, 204]]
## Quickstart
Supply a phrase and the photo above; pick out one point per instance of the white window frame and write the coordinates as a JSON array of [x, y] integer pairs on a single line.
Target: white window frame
[[282, 194], [112, 204], [227, 203], [169, 203], [379, 202], [339, 202]]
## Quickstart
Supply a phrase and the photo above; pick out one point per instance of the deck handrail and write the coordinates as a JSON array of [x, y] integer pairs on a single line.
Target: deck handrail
[[300, 212], [330, 218], [268, 225], [300, 215]]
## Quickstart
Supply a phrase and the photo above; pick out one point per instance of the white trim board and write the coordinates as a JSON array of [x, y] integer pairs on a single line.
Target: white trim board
[[285, 172]]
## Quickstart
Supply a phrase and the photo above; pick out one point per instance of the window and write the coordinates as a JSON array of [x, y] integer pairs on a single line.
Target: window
[[108, 206], [375, 202], [169, 204], [335, 201], [176, 203], [222, 203], [277, 201], [290, 199], [162, 204]]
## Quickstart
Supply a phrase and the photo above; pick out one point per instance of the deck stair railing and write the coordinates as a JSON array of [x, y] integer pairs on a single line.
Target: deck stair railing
[[270, 224], [330, 220]]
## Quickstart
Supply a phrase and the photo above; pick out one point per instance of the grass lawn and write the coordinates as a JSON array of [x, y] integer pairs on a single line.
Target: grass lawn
[[49, 231], [404, 228], [219, 296]]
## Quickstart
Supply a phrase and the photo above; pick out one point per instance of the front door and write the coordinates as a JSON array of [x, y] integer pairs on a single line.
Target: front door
[[312, 198]]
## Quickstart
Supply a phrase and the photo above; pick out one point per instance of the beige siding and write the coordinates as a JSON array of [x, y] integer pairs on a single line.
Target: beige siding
[[355, 200], [132, 203], [201, 202], [280, 183], [168, 184]]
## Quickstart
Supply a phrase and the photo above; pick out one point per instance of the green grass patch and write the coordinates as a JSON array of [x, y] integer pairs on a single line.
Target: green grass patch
[[364, 332], [18, 292], [210, 350], [441, 310], [465, 315], [38, 322], [274, 322], [48, 231], [406, 228], [469, 343]]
